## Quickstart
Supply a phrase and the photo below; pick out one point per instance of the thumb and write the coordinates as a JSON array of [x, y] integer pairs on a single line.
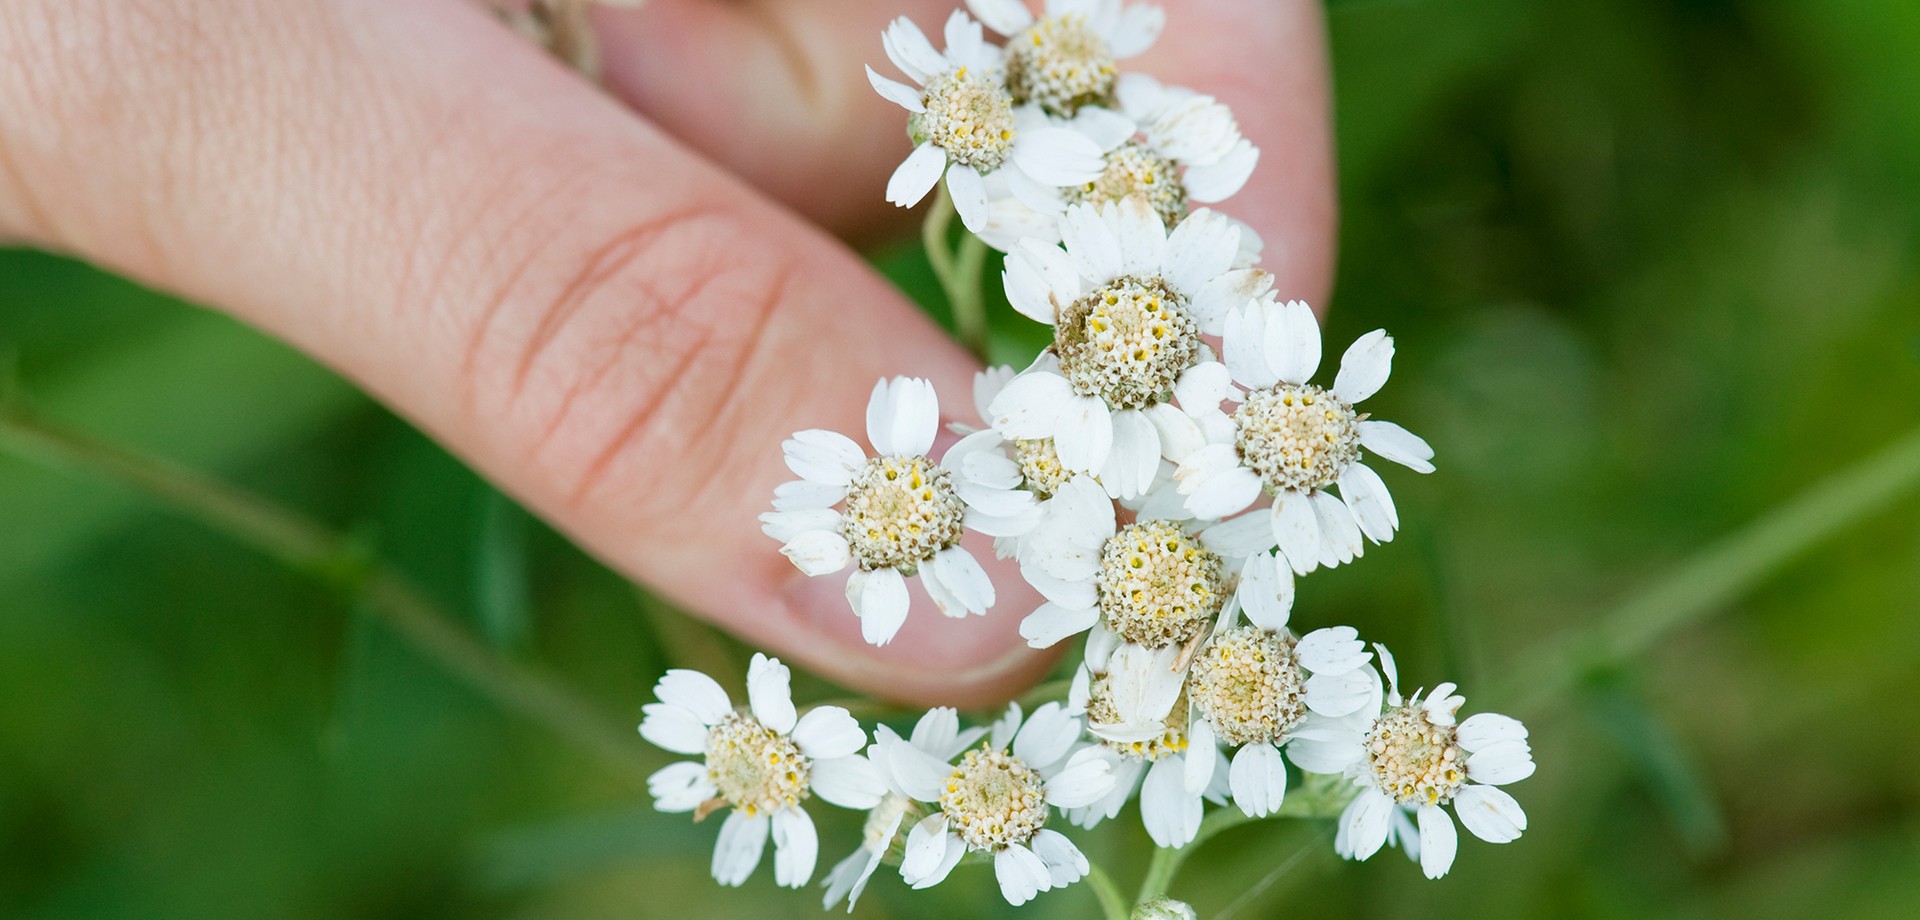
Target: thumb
[[617, 333]]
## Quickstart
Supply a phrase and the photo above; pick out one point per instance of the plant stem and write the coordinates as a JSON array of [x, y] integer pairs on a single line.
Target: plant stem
[[1112, 903], [1717, 575], [1316, 798], [307, 546], [958, 272]]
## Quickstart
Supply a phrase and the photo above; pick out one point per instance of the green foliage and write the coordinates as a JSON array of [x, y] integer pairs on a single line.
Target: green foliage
[[1651, 269]]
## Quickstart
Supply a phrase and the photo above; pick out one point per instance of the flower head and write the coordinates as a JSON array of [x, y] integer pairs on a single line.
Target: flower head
[[965, 123], [1411, 757], [1128, 303], [902, 514], [997, 799], [1068, 57], [761, 763], [1294, 440]]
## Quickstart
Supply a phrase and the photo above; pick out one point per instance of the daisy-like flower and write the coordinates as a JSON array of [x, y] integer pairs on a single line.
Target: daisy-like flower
[[1128, 303], [762, 762], [936, 735], [1257, 687], [1068, 58], [1153, 583], [997, 800], [903, 514], [965, 123], [1412, 758], [1134, 700], [1294, 440], [1188, 150]]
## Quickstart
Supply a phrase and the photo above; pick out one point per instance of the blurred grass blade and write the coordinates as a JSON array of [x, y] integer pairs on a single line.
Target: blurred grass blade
[[553, 851], [503, 599], [1671, 772], [1719, 574]]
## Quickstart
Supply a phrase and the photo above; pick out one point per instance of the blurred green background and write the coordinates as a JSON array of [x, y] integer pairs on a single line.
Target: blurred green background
[[1653, 271]]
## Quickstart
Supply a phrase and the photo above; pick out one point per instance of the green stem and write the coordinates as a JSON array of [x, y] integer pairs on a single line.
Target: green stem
[[1717, 575], [311, 548], [1112, 903], [958, 272], [1318, 797]]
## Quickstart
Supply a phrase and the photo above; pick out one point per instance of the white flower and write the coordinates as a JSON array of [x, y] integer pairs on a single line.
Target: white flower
[[966, 124], [1152, 582], [1413, 758], [1293, 439], [903, 514], [1128, 303], [996, 800], [936, 735], [1066, 58], [1260, 688], [1178, 128], [761, 762], [1132, 697]]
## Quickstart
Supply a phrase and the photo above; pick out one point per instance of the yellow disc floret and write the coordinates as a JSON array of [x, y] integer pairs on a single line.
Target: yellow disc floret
[[1297, 437], [1247, 683], [1158, 585], [1127, 342], [757, 770], [1413, 759], [1060, 64], [992, 800], [900, 511]]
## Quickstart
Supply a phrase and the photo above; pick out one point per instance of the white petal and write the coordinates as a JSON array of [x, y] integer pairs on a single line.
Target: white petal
[[1372, 505], [672, 728], [785, 525], [1085, 434], [1340, 540], [938, 733], [1064, 861], [1134, 456], [896, 92], [1178, 433], [1225, 292], [1225, 493], [1026, 283], [1200, 249], [1070, 593], [969, 193], [1050, 623], [1136, 30], [801, 495], [796, 847], [1293, 341], [1057, 156], [1030, 406], [1332, 650], [987, 384], [1003, 16], [1170, 813], [1244, 345], [1203, 386], [1091, 244], [1438, 841], [1106, 128], [1501, 763], [770, 693], [1297, 530], [827, 732], [916, 773], [1484, 729], [1047, 736], [916, 175], [1194, 129], [1201, 756], [1339, 693], [818, 552], [926, 848], [1142, 236], [822, 456], [1266, 592], [1087, 778], [880, 415], [1021, 874], [1365, 366], [849, 782], [1490, 814], [907, 47], [883, 605], [1397, 444], [682, 786], [943, 599], [1258, 775], [699, 694], [1366, 821], [1241, 536], [1001, 732], [1221, 179], [916, 416], [737, 852], [1327, 752], [963, 577]]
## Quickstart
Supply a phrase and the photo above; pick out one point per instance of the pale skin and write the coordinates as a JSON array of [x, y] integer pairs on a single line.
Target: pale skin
[[614, 307]]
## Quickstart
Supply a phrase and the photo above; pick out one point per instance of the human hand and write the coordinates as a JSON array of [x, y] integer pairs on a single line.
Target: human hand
[[616, 312]]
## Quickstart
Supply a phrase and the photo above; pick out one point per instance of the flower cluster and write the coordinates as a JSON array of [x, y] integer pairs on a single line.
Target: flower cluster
[[1160, 475]]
